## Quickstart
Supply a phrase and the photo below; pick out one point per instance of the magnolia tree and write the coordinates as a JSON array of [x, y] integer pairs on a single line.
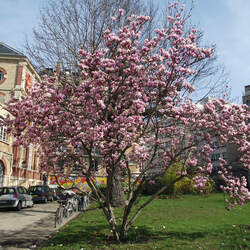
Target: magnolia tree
[[128, 105]]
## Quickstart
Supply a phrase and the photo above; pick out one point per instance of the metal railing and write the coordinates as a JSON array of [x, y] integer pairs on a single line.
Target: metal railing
[[68, 207]]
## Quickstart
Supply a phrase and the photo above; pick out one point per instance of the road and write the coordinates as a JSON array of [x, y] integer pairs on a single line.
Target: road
[[28, 228]]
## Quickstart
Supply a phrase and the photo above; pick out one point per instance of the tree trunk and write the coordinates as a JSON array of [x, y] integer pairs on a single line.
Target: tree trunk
[[117, 193], [117, 199]]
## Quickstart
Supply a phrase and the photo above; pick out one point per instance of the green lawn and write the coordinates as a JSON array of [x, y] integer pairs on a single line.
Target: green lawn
[[191, 222]]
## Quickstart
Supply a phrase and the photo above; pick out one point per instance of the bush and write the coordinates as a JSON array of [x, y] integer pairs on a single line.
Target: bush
[[171, 190], [171, 174], [150, 187], [184, 186], [210, 187]]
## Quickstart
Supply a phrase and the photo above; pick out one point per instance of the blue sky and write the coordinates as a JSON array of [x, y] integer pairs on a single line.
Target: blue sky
[[225, 23]]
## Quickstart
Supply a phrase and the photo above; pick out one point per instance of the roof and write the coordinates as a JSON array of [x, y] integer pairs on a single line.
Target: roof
[[6, 50]]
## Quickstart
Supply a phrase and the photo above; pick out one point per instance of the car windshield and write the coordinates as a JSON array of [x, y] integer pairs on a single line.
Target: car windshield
[[7, 191], [36, 189]]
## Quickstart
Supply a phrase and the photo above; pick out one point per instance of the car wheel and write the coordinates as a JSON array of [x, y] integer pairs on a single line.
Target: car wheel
[[19, 206], [45, 200]]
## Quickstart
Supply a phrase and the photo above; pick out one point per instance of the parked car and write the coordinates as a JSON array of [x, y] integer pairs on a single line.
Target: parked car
[[41, 193], [53, 190], [15, 197]]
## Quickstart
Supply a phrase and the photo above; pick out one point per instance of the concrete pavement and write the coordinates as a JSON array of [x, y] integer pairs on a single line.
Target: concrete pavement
[[29, 228]]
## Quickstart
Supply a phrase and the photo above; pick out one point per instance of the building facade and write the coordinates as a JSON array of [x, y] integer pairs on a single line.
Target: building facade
[[246, 100], [246, 96], [228, 152], [18, 165]]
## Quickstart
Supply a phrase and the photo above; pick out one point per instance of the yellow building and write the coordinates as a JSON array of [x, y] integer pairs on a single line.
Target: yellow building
[[18, 165]]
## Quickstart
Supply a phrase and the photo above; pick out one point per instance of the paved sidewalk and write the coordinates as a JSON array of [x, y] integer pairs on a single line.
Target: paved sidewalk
[[33, 235]]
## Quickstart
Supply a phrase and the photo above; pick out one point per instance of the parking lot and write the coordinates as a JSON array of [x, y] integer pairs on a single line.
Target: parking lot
[[27, 228]]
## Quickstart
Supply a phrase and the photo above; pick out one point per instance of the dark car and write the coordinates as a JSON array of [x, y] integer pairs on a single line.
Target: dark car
[[41, 193], [15, 197]]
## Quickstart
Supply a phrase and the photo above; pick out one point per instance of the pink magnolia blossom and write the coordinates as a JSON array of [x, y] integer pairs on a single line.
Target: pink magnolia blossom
[[128, 104]]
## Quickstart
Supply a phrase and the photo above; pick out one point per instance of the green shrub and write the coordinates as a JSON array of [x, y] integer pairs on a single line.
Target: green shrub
[[209, 188], [150, 187], [184, 186], [171, 174]]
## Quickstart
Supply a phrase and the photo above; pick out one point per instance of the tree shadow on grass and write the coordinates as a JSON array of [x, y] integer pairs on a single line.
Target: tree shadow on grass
[[98, 235], [144, 234], [94, 235], [186, 236]]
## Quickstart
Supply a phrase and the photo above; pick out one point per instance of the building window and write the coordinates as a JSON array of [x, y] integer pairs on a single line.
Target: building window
[[1, 173], [215, 157], [30, 154], [96, 151], [3, 133], [95, 166], [215, 145], [16, 155], [224, 156], [1, 75]]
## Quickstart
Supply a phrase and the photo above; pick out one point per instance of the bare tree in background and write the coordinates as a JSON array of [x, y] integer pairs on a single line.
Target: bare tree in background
[[68, 25], [211, 78]]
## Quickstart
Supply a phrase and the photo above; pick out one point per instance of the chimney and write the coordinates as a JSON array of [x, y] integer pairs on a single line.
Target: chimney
[[246, 97], [57, 68]]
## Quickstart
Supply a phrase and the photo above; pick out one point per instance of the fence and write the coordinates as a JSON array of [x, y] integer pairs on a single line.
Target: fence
[[67, 208]]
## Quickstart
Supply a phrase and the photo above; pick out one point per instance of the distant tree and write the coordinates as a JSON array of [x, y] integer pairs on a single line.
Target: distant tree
[[67, 26], [128, 103]]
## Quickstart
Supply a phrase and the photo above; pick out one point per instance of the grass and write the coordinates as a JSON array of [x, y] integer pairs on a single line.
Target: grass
[[191, 222]]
